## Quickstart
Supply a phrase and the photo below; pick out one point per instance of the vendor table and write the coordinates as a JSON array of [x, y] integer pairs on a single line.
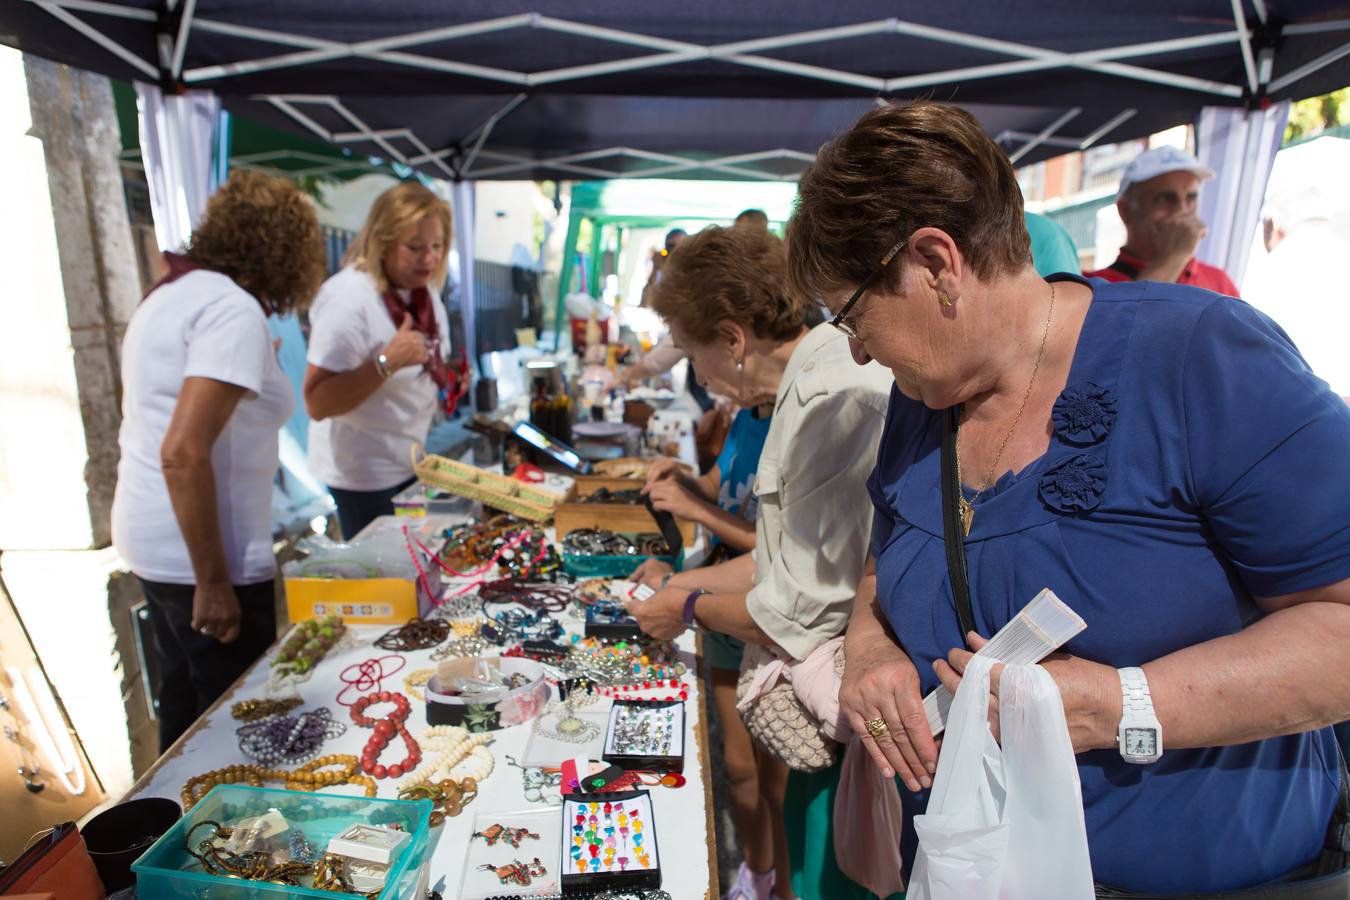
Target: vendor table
[[683, 815]]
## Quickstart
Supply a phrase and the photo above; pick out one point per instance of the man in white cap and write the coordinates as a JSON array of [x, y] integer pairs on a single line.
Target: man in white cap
[[1157, 203]]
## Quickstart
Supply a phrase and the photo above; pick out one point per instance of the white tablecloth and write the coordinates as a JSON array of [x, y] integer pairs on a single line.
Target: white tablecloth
[[681, 813]]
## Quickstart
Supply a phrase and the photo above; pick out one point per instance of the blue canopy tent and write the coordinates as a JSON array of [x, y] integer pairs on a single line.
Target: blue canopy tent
[[579, 88]]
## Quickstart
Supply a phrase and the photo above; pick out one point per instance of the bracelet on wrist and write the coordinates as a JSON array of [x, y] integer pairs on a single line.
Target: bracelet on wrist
[[382, 366]]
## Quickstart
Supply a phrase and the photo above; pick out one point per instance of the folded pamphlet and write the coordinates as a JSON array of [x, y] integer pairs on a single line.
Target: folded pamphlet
[[1042, 627]]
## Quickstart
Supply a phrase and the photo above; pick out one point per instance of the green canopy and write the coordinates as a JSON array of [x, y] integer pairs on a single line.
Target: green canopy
[[660, 203], [255, 146]]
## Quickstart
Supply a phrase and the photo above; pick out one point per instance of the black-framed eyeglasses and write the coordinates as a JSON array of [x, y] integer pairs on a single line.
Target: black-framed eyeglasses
[[840, 321]]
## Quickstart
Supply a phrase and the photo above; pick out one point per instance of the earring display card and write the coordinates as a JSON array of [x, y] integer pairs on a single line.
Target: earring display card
[[514, 854], [610, 842], [646, 734], [560, 735]]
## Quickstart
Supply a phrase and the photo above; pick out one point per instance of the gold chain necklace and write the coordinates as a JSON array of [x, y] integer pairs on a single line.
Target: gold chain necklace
[[968, 506]]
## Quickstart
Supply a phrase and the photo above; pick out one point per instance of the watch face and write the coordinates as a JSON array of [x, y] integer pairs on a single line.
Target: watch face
[[1141, 742]]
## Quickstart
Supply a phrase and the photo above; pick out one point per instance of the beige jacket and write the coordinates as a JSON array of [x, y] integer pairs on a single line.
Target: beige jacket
[[815, 518]]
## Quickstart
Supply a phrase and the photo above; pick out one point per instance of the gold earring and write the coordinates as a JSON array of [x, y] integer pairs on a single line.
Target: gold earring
[[944, 299]]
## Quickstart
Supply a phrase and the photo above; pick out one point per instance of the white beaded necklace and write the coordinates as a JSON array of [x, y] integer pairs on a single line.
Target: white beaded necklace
[[444, 746]]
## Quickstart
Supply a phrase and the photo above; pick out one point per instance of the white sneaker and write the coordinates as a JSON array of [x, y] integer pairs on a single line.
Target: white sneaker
[[750, 885]]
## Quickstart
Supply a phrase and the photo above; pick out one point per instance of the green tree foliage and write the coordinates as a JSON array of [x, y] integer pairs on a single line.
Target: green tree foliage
[[1314, 115]]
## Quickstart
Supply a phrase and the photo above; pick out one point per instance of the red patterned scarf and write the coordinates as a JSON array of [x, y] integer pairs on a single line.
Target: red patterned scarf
[[452, 380]]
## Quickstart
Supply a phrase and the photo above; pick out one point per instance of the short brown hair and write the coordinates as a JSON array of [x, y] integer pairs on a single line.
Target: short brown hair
[[899, 169], [397, 211], [261, 231], [736, 274]]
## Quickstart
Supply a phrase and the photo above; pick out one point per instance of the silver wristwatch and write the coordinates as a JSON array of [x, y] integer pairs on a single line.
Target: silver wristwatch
[[382, 366], [1140, 733]]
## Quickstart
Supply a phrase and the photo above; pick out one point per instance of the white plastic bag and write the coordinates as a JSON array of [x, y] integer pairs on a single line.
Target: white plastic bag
[[1004, 823]]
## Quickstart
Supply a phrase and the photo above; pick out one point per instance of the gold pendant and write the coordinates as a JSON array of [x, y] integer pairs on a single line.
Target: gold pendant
[[967, 516]]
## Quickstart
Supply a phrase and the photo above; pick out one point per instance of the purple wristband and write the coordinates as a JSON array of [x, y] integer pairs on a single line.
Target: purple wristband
[[689, 603]]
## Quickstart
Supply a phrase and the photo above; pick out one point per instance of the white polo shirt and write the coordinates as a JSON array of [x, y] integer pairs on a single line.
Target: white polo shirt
[[200, 325], [368, 448]]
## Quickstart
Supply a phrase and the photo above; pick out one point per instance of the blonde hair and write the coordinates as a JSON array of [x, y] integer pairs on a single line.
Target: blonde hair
[[396, 212]]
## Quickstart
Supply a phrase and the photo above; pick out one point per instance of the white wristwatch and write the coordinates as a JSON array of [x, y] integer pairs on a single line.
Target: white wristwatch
[[1140, 733]]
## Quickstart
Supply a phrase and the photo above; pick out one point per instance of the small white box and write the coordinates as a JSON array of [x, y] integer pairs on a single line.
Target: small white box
[[369, 843]]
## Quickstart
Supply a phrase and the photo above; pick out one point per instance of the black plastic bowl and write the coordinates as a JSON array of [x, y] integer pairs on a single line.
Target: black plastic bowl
[[118, 836]]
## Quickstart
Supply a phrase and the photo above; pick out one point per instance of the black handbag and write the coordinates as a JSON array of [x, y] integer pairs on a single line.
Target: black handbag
[[1326, 879]]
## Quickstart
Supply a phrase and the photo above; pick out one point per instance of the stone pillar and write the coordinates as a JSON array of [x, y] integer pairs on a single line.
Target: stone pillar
[[68, 285]]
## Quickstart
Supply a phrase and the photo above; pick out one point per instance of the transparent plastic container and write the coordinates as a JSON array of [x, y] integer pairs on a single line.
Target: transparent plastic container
[[167, 871]]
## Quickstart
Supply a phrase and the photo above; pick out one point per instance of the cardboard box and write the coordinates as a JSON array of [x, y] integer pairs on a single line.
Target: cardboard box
[[626, 517], [359, 601]]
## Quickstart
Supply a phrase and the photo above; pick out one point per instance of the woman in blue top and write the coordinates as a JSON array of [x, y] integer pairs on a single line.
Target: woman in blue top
[[1159, 456]]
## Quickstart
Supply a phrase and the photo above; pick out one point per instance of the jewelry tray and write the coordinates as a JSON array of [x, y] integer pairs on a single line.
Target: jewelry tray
[[630, 879], [673, 762], [599, 624], [544, 751], [475, 884]]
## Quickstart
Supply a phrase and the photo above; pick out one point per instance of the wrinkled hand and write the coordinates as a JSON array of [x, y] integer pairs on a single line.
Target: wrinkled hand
[[1179, 235], [1090, 693], [881, 681], [662, 614], [407, 348], [215, 612], [675, 498], [651, 572]]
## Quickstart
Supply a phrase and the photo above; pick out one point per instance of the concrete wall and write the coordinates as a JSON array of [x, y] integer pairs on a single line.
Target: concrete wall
[[69, 281], [69, 275]]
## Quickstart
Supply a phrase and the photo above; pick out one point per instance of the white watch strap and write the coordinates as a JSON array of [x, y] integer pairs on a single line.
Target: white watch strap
[[1134, 693]]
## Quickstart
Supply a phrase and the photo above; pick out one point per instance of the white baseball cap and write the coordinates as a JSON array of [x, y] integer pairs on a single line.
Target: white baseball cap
[[1160, 161]]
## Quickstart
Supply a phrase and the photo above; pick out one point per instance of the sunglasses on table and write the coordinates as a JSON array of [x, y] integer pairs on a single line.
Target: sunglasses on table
[[842, 320]]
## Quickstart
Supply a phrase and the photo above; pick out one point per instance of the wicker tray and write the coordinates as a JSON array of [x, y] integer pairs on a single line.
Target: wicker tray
[[488, 488]]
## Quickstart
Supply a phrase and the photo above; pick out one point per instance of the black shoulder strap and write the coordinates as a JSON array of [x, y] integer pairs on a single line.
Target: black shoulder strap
[[1124, 268], [951, 523]]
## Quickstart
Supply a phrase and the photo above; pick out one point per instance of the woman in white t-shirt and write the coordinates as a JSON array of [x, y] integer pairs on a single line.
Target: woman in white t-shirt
[[203, 399], [378, 344]]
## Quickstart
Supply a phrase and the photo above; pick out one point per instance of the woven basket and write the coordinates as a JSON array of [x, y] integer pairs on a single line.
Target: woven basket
[[488, 488]]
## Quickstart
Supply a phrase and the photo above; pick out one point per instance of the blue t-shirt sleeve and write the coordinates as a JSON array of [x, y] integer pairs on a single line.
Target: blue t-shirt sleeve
[[1269, 453]]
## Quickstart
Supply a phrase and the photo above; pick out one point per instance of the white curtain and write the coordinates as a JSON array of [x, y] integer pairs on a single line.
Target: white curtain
[[180, 149], [463, 203], [1240, 146]]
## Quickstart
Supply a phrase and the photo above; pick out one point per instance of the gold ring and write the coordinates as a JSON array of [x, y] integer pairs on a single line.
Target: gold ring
[[876, 727]]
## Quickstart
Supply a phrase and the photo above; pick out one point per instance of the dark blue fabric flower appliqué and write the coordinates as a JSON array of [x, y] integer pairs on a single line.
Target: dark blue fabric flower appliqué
[[1084, 413], [1074, 485]]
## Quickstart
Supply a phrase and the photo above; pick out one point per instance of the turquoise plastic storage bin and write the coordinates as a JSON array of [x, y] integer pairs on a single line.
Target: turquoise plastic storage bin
[[580, 566], [167, 871]]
